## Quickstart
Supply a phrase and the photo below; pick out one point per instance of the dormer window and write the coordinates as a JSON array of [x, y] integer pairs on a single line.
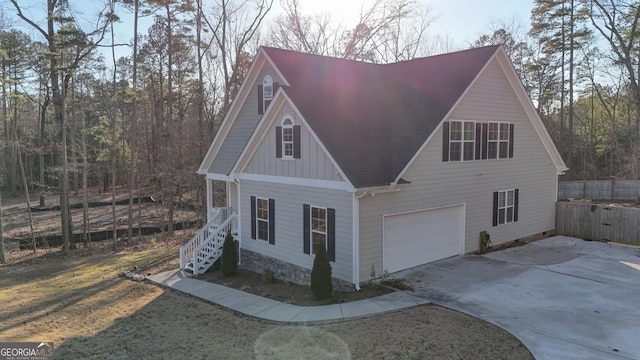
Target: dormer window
[[288, 139], [266, 90]]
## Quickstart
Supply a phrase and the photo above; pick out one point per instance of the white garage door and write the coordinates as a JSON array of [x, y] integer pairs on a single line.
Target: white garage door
[[420, 237]]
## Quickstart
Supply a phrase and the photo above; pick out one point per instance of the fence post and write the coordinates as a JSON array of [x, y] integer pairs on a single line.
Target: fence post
[[613, 187]]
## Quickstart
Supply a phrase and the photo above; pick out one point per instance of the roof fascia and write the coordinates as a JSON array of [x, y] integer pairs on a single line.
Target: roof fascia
[[445, 118], [262, 130], [234, 109]]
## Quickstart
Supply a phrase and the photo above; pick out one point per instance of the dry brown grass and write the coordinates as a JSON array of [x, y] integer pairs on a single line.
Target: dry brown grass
[[80, 302]]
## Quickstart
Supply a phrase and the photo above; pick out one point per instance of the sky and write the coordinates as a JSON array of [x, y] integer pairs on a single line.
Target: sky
[[460, 21]]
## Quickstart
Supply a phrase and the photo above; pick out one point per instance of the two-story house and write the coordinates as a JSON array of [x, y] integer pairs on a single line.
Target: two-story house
[[387, 166]]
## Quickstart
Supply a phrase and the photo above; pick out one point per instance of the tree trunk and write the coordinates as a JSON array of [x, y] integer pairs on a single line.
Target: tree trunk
[[2, 259], [134, 124], [26, 194], [113, 139]]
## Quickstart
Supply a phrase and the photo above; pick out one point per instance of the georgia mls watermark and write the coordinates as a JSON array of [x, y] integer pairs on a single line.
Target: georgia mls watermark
[[26, 350]]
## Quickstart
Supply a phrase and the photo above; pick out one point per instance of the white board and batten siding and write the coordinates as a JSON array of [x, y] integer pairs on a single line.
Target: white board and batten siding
[[313, 162], [435, 183], [242, 127], [289, 201]]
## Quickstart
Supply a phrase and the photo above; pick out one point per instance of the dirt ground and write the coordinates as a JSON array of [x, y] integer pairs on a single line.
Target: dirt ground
[[81, 303], [15, 218], [287, 292]]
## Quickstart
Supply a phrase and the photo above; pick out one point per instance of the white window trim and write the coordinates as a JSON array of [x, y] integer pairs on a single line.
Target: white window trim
[[497, 142], [311, 231], [259, 219], [292, 142], [267, 82], [507, 206], [463, 140]]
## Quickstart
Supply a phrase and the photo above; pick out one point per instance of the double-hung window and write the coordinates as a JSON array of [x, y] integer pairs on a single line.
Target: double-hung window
[[263, 219], [462, 137], [287, 139], [505, 206], [319, 230], [498, 140]]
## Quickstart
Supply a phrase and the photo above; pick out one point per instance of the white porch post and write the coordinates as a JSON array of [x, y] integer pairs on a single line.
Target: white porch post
[[209, 199]]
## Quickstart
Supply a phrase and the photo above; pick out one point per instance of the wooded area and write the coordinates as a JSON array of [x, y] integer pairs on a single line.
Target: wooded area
[[76, 116]]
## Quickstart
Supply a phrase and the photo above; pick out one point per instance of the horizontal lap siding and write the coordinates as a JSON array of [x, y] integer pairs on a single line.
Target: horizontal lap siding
[[289, 201], [313, 163], [242, 128], [435, 183]]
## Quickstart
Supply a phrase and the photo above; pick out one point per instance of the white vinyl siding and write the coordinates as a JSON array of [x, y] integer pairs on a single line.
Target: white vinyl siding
[[313, 164], [435, 183], [241, 129], [289, 201]]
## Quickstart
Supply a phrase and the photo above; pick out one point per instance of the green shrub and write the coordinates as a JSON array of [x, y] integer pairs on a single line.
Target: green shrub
[[268, 277], [229, 258], [321, 285]]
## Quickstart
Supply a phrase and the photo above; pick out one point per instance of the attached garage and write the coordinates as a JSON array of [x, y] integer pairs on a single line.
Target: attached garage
[[419, 237]]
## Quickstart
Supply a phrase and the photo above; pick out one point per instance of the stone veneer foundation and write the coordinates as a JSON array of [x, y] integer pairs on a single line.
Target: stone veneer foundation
[[259, 263]]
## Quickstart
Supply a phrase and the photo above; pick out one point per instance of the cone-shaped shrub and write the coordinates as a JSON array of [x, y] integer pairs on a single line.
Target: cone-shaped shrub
[[321, 285], [229, 258]]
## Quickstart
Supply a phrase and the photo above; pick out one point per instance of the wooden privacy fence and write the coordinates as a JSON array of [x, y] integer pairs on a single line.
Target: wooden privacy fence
[[599, 189], [598, 222]]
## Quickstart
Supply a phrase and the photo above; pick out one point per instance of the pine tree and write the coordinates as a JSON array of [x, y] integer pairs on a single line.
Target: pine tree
[[229, 259], [321, 285]]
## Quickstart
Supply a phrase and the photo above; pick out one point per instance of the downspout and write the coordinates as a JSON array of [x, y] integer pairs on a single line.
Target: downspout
[[238, 221], [356, 239]]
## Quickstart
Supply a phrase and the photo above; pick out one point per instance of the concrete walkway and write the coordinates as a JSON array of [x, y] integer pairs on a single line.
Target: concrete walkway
[[277, 312]]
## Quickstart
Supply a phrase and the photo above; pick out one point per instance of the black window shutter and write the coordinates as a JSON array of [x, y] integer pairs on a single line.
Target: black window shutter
[[515, 205], [331, 234], [478, 140], [278, 141], [253, 217], [276, 86], [296, 142], [306, 215], [445, 141], [485, 140], [272, 221], [495, 208], [511, 126], [260, 100]]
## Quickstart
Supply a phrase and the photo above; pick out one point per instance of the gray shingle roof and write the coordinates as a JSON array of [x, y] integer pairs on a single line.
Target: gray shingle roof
[[373, 118]]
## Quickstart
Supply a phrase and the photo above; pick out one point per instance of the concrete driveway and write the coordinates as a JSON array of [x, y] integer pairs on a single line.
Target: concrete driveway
[[564, 298]]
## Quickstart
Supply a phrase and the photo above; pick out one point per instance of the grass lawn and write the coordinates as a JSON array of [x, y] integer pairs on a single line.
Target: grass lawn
[[80, 302]]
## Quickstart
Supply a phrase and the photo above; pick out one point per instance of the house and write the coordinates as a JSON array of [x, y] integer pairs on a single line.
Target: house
[[387, 166]]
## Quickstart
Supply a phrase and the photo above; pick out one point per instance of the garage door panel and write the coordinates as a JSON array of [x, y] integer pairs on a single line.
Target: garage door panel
[[421, 237]]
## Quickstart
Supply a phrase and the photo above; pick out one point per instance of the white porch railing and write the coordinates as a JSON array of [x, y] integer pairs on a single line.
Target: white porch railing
[[204, 248]]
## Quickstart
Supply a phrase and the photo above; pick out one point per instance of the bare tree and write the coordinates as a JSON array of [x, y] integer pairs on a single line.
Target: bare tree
[[59, 76], [387, 31], [619, 24]]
